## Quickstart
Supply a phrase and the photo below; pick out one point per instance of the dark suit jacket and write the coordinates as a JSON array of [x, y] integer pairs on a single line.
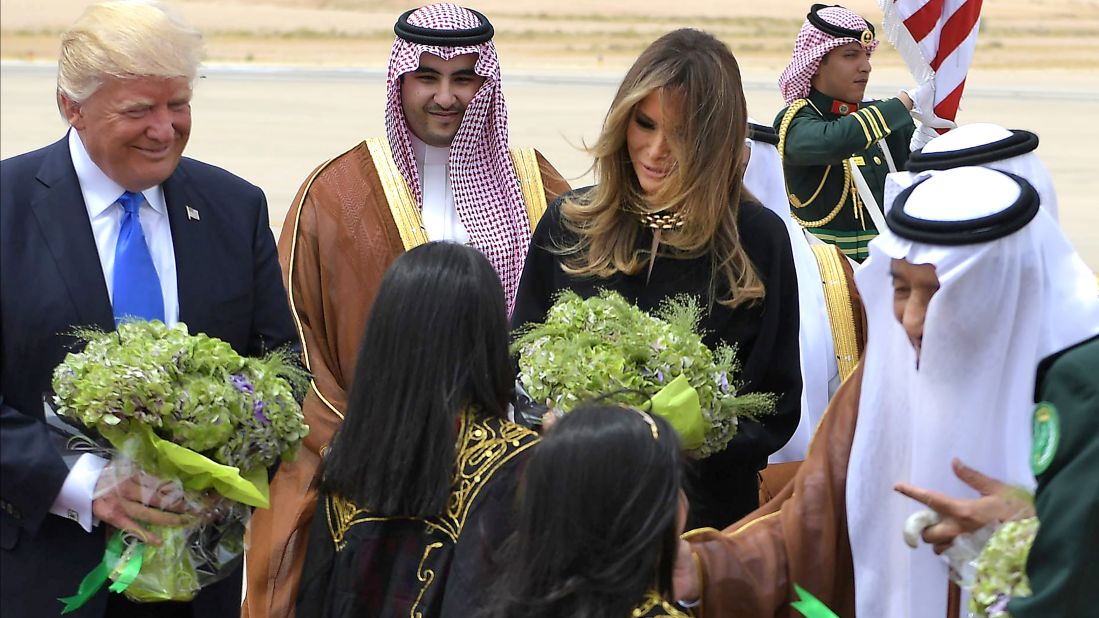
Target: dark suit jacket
[[229, 287]]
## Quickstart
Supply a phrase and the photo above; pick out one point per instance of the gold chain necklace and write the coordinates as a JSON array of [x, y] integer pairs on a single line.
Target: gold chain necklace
[[662, 220]]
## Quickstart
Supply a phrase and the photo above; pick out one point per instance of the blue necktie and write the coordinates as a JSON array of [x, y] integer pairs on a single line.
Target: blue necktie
[[136, 285]]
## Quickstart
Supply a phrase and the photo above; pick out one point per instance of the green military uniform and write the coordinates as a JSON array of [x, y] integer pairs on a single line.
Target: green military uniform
[[817, 136], [1064, 559]]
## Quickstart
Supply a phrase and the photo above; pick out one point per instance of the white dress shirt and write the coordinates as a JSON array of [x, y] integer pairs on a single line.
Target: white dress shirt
[[105, 215], [441, 221]]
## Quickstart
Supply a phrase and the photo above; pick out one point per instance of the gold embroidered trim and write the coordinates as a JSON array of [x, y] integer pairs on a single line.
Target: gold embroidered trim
[[426, 576], [529, 172], [402, 205], [484, 447], [652, 601], [886, 130], [865, 130], [837, 298], [290, 285]]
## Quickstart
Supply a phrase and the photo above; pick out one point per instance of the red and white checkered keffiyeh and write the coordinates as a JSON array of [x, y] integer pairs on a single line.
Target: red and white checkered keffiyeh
[[812, 45], [487, 193]]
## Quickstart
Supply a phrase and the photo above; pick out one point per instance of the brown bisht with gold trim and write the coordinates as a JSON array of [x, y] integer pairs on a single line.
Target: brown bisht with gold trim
[[351, 218], [800, 537]]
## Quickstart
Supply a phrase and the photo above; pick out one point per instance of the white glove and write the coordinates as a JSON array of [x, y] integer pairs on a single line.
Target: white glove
[[923, 107], [924, 133]]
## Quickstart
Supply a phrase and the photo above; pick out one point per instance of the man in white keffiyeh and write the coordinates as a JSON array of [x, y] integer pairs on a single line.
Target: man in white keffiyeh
[[984, 287], [443, 172]]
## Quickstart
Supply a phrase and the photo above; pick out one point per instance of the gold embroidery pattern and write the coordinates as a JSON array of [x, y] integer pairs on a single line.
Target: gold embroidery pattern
[[838, 301], [484, 447], [654, 606], [402, 205], [530, 182], [426, 576]]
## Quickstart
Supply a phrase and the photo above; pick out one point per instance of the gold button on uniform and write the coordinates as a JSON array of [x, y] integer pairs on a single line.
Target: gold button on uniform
[[877, 161]]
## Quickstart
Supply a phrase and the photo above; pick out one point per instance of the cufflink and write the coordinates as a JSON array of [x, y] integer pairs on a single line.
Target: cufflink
[[73, 515]]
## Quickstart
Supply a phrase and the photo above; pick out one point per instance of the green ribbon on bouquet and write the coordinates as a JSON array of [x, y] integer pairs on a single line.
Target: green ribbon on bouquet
[[116, 555], [678, 404], [810, 606]]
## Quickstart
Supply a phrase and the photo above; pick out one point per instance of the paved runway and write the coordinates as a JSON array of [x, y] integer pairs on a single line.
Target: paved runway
[[273, 125]]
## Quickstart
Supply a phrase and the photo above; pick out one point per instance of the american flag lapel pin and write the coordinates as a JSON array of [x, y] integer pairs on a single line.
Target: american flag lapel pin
[[192, 214]]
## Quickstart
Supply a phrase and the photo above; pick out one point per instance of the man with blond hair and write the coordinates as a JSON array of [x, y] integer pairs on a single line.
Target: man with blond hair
[[112, 222]]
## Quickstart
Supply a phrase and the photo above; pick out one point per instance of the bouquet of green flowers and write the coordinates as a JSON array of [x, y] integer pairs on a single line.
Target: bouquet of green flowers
[[189, 410], [1000, 569], [604, 346]]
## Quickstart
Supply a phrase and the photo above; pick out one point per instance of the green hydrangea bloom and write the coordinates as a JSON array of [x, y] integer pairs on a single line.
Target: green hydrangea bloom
[[604, 345]]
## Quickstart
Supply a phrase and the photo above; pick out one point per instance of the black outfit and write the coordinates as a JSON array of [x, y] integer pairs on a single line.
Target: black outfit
[[724, 486], [360, 563]]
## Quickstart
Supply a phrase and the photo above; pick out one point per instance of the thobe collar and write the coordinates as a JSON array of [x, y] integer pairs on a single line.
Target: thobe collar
[[99, 190], [440, 214]]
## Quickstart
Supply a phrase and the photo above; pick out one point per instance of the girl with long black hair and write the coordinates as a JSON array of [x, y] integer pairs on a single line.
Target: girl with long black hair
[[600, 516], [417, 489]]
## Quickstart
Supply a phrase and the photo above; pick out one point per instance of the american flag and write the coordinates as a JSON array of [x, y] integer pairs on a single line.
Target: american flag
[[936, 38]]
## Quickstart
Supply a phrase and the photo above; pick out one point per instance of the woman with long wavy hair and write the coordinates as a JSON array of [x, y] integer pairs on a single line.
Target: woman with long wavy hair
[[600, 516], [418, 487], [669, 216]]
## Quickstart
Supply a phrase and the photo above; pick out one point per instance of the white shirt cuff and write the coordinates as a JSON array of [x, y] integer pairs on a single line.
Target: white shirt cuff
[[75, 499]]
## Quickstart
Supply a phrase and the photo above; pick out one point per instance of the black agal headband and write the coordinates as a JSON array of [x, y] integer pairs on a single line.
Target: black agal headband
[[972, 231], [443, 38], [761, 133], [1018, 143], [866, 37]]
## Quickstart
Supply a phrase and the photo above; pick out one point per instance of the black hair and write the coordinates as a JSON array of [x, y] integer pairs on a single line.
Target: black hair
[[436, 343], [597, 522]]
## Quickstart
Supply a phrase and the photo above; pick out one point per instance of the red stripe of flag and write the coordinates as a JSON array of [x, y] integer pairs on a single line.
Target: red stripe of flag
[[948, 107], [923, 21], [956, 29]]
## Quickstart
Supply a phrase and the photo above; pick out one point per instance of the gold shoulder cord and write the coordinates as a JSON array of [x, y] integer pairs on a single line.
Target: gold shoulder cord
[[402, 205], [837, 298], [784, 126], [530, 181]]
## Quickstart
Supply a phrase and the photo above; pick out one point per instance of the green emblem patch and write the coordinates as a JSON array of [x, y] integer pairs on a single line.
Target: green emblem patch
[[1045, 435]]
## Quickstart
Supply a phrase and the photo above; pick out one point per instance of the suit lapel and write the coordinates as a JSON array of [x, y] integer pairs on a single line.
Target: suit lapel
[[192, 246], [63, 222]]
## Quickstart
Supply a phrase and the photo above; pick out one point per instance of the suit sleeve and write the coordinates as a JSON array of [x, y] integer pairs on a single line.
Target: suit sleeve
[[272, 326], [31, 469], [812, 140], [800, 536]]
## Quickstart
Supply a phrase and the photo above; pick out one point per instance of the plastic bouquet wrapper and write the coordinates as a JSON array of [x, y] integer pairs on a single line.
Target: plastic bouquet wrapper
[[990, 563], [187, 420], [605, 347]]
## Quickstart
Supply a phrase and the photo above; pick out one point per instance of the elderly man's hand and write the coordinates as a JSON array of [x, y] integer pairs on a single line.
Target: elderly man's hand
[[997, 503], [685, 584], [125, 498]]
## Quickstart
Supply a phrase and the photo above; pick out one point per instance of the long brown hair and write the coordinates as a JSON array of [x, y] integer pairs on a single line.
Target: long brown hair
[[699, 74]]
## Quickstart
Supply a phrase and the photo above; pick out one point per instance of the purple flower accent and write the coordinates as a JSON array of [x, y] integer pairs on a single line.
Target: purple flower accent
[[659, 376], [1000, 605], [241, 383], [257, 410], [723, 383]]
